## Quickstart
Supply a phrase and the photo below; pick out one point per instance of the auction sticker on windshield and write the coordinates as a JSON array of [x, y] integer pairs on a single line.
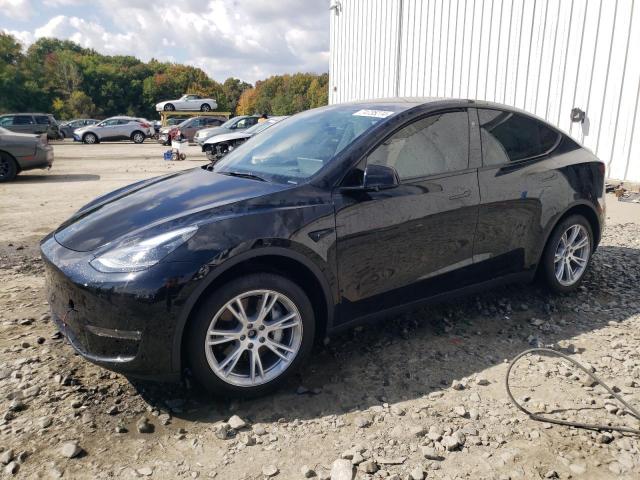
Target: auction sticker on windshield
[[373, 113]]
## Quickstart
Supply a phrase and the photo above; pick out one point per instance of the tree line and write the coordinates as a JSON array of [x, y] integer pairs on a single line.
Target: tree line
[[63, 78]]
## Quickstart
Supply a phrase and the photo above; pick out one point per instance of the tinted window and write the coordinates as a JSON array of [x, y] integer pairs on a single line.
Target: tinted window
[[42, 120], [507, 137], [23, 120], [432, 145], [6, 120]]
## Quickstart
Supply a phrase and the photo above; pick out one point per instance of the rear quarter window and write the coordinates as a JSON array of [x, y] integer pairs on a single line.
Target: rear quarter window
[[509, 137], [42, 120]]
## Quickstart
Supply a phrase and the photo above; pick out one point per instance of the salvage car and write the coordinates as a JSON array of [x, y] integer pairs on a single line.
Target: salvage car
[[241, 122], [187, 128], [115, 128], [189, 103], [218, 146], [32, 123], [67, 128], [334, 216], [21, 151]]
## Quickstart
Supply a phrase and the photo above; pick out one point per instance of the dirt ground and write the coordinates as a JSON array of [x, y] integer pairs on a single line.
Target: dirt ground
[[416, 396]]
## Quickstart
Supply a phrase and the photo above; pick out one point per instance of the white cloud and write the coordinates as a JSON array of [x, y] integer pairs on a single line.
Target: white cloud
[[248, 39], [16, 9]]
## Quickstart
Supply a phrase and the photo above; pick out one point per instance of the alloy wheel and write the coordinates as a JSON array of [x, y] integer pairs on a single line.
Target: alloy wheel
[[138, 138], [572, 255], [90, 138], [253, 338], [205, 108]]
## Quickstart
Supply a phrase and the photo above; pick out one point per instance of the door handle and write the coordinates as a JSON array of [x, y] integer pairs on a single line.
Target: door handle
[[462, 194]]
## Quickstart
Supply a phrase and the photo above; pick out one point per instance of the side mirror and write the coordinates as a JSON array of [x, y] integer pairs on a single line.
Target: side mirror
[[380, 177]]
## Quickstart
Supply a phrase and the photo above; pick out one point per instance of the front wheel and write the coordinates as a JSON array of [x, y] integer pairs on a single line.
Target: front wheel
[[568, 254], [250, 335], [89, 138], [169, 107]]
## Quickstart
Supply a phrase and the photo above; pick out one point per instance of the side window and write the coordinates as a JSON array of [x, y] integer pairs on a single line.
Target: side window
[[509, 137], [23, 120], [110, 123], [6, 121], [242, 123], [436, 144], [42, 120], [125, 121]]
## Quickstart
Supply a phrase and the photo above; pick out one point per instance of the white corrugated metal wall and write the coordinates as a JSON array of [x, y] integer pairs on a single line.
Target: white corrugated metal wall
[[544, 56]]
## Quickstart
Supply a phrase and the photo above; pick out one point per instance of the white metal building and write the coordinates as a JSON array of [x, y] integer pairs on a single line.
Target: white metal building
[[544, 56]]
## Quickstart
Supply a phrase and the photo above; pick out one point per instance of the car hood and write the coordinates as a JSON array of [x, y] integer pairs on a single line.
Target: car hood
[[81, 130], [225, 137], [209, 132], [186, 197]]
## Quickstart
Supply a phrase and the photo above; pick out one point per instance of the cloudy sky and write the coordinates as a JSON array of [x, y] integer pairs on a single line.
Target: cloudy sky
[[248, 39]]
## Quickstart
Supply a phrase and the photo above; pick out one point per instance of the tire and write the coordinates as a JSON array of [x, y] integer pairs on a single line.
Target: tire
[[205, 107], [169, 107], [89, 138], [557, 256], [207, 362], [8, 167], [138, 137]]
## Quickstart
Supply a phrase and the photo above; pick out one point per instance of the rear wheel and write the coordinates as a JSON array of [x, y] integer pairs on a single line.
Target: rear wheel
[[205, 107], [169, 107], [137, 137], [89, 138], [568, 254], [250, 335], [8, 168]]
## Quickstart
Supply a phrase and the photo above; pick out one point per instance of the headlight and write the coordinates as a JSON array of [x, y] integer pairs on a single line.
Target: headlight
[[136, 256]]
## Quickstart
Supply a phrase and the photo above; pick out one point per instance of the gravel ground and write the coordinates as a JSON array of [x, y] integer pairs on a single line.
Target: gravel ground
[[417, 396]]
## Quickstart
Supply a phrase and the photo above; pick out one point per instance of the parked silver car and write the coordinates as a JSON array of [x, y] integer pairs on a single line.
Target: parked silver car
[[241, 122], [115, 128], [22, 151], [218, 146]]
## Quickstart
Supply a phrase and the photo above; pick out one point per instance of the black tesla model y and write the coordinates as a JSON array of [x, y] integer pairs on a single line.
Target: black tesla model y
[[333, 216]]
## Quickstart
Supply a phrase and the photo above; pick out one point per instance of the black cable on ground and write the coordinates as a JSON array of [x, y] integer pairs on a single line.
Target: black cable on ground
[[540, 418]]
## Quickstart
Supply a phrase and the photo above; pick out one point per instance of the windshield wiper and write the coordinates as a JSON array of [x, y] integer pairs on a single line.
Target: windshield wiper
[[243, 175]]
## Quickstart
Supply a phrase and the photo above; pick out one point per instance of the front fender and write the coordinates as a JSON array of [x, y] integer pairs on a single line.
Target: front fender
[[255, 251]]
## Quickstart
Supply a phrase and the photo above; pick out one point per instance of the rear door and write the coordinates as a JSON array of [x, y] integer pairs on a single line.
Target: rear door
[[24, 124], [399, 245], [515, 180]]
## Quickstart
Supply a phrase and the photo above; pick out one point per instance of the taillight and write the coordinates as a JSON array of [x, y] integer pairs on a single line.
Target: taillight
[[144, 125]]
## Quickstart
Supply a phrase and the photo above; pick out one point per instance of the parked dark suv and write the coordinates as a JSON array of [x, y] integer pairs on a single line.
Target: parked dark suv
[[333, 216], [31, 123]]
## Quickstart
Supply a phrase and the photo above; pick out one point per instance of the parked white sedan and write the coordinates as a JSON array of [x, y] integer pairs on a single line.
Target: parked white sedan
[[188, 102]]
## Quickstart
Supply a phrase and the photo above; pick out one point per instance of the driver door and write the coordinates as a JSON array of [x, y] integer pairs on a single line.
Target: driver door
[[399, 245]]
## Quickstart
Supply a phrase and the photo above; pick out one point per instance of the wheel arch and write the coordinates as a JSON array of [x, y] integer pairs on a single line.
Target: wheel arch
[[277, 260], [583, 208], [12, 157]]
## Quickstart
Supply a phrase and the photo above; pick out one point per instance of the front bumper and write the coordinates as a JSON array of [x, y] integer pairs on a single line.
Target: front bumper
[[123, 322]]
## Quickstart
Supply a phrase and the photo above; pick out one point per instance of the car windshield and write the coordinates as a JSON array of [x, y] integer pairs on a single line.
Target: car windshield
[[229, 122], [295, 149], [258, 127]]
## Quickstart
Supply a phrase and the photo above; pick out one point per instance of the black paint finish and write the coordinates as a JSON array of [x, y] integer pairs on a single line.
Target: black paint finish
[[359, 252]]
